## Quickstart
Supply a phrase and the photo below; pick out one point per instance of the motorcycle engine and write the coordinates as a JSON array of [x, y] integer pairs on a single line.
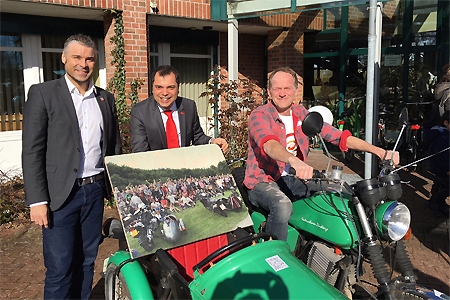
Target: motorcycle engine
[[324, 262]]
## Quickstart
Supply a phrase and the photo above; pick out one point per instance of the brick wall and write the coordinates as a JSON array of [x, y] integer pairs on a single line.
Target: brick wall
[[135, 35], [285, 46], [251, 55], [199, 9]]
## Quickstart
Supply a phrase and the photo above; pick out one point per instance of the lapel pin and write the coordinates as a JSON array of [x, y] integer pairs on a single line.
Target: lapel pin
[[101, 98], [182, 112]]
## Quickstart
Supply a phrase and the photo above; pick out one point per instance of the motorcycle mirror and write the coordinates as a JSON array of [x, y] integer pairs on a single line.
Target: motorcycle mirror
[[312, 124], [403, 117]]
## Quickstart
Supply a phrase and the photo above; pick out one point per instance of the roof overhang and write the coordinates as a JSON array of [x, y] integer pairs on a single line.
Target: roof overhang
[[73, 12], [51, 10], [202, 24], [241, 9]]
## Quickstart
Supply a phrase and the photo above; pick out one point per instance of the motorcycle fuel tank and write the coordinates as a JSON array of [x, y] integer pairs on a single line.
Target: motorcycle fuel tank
[[328, 215]]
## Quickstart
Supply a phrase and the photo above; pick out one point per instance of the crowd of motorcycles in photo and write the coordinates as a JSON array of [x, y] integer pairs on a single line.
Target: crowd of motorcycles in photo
[[150, 208]]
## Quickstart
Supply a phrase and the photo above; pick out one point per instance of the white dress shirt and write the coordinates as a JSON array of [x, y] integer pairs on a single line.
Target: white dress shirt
[[90, 122]]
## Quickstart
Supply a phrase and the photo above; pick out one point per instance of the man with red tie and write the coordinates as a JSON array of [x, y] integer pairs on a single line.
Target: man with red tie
[[165, 120]]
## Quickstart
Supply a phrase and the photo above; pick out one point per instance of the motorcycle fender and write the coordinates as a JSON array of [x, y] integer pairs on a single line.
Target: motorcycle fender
[[292, 237], [133, 274], [257, 219], [293, 234]]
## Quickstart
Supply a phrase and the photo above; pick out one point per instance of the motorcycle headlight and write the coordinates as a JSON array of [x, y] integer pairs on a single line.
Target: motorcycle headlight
[[393, 219]]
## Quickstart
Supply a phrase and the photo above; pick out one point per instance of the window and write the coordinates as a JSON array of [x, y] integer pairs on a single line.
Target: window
[[52, 48], [424, 22], [28, 59], [11, 77], [194, 63]]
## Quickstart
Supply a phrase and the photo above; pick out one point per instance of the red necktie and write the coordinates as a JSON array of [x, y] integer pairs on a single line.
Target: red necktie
[[171, 131]]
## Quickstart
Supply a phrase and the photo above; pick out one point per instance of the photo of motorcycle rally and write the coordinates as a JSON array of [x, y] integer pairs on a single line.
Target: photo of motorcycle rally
[[168, 207]]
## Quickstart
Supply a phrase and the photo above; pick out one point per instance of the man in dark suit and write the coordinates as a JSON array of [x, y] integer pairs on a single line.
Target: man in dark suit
[[69, 126], [148, 120]]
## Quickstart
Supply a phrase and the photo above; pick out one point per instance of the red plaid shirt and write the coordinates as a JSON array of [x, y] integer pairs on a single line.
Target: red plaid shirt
[[265, 124]]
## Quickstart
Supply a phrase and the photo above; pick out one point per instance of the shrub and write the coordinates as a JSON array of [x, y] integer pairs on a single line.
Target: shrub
[[238, 99], [12, 198]]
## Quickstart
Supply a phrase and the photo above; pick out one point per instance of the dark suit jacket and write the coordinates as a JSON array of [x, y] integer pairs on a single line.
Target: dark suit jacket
[[51, 141], [147, 128]]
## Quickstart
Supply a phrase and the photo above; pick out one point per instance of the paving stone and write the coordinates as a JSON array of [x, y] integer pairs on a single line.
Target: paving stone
[[22, 270]]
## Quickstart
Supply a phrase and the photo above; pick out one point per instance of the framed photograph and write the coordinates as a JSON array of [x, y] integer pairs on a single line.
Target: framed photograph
[[172, 197]]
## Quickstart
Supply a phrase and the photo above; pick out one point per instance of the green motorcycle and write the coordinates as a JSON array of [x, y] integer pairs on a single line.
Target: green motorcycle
[[330, 235], [343, 224]]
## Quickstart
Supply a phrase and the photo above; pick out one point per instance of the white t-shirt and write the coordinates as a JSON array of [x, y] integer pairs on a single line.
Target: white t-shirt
[[291, 143]]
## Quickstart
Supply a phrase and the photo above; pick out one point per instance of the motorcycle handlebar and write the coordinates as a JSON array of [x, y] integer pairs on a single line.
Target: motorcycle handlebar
[[316, 173]]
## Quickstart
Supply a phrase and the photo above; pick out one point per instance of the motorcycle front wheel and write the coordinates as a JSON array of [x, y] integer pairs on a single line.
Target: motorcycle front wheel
[[116, 287], [413, 291]]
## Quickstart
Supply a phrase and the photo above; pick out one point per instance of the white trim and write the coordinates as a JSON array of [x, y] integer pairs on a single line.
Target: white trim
[[101, 63], [32, 60], [11, 152]]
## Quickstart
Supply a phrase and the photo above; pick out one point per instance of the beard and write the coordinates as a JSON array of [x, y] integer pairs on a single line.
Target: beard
[[79, 82]]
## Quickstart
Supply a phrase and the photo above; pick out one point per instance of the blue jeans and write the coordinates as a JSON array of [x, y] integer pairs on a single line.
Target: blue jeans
[[276, 198], [71, 243]]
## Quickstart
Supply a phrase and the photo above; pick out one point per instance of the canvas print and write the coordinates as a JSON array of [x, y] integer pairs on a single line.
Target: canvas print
[[173, 197]]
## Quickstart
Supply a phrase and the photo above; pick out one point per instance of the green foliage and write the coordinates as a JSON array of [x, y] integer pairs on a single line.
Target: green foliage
[[123, 176], [136, 85], [117, 83], [12, 198], [242, 97]]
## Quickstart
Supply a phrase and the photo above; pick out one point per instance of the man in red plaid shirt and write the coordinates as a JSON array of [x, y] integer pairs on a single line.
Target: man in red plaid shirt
[[276, 142]]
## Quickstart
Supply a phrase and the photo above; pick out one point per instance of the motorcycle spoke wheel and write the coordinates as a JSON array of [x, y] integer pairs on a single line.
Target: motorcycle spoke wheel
[[408, 295], [116, 287]]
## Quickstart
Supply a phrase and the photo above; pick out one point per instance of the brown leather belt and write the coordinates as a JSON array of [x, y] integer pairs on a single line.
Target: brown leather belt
[[89, 180]]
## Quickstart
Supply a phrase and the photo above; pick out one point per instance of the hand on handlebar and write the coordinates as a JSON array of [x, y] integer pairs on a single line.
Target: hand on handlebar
[[388, 156], [302, 170]]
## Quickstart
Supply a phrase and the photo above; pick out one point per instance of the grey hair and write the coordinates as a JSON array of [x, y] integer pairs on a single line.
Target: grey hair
[[82, 40], [285, 70]]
